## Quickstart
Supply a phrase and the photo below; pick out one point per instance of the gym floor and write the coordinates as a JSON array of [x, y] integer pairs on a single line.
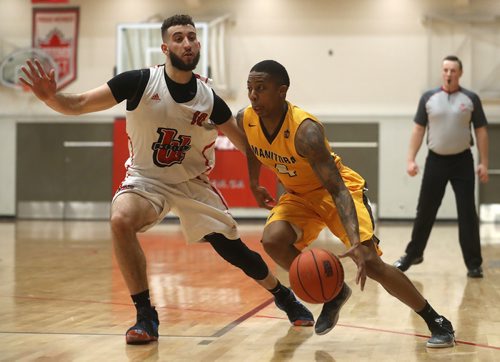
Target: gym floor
[[62, 298]]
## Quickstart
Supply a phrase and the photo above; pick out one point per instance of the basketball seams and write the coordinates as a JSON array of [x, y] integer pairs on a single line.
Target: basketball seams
[[335, 274], [302, 285], [339, 273], [318, 272], [297, 275], [297, 267], [312, 275]]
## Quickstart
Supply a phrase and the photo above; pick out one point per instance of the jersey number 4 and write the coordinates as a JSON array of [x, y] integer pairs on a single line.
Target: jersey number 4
[[283, 169]]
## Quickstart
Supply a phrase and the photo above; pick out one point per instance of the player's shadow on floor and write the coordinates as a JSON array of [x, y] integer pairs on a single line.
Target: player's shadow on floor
[[322, 356], [136, 353], [285, 347]]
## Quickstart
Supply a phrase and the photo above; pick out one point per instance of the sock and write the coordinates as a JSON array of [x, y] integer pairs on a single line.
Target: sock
[[280, 292], [429, 315], [141, 300]]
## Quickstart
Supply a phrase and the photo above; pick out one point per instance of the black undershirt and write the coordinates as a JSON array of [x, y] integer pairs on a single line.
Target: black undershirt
[[130, 85]]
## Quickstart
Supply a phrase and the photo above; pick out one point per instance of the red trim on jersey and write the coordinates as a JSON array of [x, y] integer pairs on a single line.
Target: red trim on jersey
[[200, 77], [216, 190], [207, 161], [131, 150]]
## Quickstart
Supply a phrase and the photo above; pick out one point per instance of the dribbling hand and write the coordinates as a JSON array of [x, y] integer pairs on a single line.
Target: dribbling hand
[[356, 253]]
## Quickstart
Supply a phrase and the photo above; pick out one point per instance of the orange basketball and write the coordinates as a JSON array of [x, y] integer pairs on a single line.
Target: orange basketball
[[316, 276]]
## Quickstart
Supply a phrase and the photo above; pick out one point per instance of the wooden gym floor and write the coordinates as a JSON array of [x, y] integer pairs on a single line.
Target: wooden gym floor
[[62, 298]]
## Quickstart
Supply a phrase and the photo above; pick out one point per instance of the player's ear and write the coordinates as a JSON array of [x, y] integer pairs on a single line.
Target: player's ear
[[164, 48], [282, 90]]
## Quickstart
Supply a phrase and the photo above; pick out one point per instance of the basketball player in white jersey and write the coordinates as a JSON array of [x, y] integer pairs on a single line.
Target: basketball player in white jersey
[[173, 118]]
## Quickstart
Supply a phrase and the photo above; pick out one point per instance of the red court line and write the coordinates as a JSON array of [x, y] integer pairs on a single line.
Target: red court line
[[241, 319], [247, 315], [417, 335], [398, 332]]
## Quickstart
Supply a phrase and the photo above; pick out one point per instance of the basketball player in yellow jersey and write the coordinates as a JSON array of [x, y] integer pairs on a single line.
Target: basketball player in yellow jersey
[[320, 191]]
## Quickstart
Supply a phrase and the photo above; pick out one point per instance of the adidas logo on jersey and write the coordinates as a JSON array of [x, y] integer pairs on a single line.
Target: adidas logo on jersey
[[156, 97]]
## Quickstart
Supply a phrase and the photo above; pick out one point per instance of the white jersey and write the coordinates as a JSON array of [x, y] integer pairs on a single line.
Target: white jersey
[[168, 141]]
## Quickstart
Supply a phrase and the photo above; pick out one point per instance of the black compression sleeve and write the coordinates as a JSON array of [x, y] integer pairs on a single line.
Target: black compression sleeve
[[221, 112], [129, 85]]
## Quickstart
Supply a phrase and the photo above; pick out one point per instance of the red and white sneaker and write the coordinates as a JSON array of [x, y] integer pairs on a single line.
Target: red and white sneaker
[[146, 328]]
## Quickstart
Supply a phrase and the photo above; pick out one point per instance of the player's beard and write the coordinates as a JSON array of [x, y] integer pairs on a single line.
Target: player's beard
[[179, 64]]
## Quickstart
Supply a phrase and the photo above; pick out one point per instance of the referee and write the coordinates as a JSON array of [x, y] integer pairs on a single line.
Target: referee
[[448, 113]]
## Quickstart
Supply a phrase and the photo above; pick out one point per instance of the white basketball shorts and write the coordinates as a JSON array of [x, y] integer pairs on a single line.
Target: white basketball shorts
[[200, 207]]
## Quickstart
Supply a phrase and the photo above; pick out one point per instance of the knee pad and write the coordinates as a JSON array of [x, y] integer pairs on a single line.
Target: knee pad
[[239, 255]]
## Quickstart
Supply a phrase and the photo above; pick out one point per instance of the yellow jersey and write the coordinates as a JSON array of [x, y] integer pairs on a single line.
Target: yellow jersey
[[278, 151]]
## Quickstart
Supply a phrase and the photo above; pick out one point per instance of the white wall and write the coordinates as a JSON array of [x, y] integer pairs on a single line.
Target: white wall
[[7, 166], [360, 59], [399, 189], [380, 48]]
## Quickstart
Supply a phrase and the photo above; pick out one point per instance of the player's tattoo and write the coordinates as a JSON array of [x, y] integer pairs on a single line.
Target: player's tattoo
[[239, 117], [310, 142]]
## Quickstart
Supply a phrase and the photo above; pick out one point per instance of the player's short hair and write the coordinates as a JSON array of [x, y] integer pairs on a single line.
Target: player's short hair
[[175, 20], [453, 58], [274, 69]]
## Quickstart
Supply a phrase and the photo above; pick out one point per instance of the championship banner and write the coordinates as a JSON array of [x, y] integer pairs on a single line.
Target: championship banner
[[55, 31]]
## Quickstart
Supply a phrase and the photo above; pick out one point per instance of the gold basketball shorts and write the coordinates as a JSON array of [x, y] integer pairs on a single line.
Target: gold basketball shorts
[[311, 212]]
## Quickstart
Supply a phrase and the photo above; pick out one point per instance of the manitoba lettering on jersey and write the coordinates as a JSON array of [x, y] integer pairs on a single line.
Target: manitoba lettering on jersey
[[259, 152]]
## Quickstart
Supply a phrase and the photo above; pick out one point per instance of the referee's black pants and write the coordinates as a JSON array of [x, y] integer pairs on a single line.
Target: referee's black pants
[[459, 170]]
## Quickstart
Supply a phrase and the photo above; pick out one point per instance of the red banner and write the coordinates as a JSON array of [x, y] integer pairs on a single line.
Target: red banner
[[55, 30], [230, 175], [120, 152]]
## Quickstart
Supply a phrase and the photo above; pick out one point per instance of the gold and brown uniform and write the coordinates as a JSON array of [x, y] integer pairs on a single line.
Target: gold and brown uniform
[[306, 204]]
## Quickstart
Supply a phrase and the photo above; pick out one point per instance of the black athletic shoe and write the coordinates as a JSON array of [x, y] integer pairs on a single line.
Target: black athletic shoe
[[406, 261], [146, 328], [296, 312], [442, 334], [475, 272], [331, 310]]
